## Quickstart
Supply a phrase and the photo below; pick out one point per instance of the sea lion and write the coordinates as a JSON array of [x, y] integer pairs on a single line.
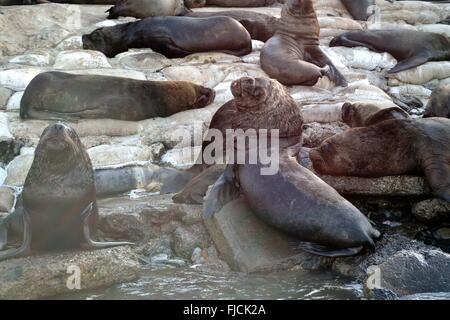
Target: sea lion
[[59, 198], [391, 147], [439, 103], [358, 9], [194, 3], [58, 95], [292, 55], [410, 48], [147, 8], [175, 37], [367, 114], [242, 3], [293, 199], [261, 26]]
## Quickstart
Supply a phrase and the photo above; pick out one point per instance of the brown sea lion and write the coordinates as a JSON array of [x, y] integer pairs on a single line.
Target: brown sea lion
[[367, 114], [194, 3], [391, 147], [358, 9], [242, 3], [175, 37], [439, 104], [147, 8], [292, 55], [410, 48], [58, 95], [59, 200]]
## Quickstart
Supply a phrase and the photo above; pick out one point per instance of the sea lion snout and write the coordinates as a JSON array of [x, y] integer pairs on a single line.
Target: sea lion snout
[[206, 97]]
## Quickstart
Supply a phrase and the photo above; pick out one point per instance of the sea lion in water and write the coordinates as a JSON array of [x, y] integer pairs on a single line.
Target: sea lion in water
[[410, 48], [58, 95], [293, 199], [439, 104], [367, 114], [175, 37], [59, 199], [147, 8], [358, 9], [391, 147], [292, 55]]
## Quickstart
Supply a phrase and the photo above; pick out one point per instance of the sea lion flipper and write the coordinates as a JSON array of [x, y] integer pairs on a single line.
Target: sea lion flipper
[[409, 63], [223, 191], [321, 250], [24, 249], [3, 234]]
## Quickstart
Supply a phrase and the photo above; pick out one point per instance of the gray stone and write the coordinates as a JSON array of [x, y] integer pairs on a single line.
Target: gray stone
[[432, 210], [186, 239], [48, 275], [5, 94], [7, 198]]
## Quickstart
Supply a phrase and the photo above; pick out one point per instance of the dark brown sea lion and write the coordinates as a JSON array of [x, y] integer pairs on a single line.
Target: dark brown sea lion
[[439, 104], [410, 48], [147, 8], [242, 3], [58, 95], [367, 114], [85, 1], [261, 26], [392, 147], [359, 8], [59, 199], [194, 3], [292, 55], [174, 37]]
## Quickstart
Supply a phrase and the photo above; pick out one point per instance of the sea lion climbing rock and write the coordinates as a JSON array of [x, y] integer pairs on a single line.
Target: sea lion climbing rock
[[391, 147], [175, 37], [367, 114], [147, 8], [439, 103], [57, 95], [410, 48], [292, 55], [59, 208]]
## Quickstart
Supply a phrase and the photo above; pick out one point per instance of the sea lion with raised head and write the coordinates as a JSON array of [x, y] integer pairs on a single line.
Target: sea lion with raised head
[[59, 200], [292, 55], [391, 147], [58, 95], [147, 8], [175, 37], [366, 114], [439, 103], [410, 48]]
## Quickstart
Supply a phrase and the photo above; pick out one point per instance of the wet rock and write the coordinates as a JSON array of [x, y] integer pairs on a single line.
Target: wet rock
[[6, 199], [432, 210], [186, 239], [85, 59], [5, 94], [14, 101], [148, 61], [427, 296], [49, 275], [159, 245]]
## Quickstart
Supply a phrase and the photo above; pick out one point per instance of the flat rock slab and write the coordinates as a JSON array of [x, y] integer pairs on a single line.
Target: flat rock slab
[[48, 275]]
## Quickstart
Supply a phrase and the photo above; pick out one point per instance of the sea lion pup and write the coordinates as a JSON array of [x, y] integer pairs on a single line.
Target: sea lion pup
[[358, 9], [410, 48], [261, 26], [439, 104], [391, 147], [242, 3], [58, 95], [147, 8], [175, 37], [59, 199], [292, 55], [366, 114]]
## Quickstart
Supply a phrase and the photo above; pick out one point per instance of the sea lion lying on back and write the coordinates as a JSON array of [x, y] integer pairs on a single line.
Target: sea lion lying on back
[[147, 8], [175, 37], [58, 95], [410, 48], [439, 104], [392, 147], [59, 200], [367, 114]]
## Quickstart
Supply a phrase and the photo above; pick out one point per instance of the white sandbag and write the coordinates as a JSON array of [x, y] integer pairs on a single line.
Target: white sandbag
[[363, 58], [18, 79], [5, 134], [14, 101], [423, 73], [109, 155], [443, 29], [84, 59]]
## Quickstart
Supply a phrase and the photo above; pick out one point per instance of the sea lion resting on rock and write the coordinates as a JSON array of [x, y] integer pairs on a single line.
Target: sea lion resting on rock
[[439, 104], [194, 3], [359, 8], [242, 3], [292, 55], [392, 147], [410, 48], [147, 8], [174, 37], [367, 114], [58, 95], [59, 199]]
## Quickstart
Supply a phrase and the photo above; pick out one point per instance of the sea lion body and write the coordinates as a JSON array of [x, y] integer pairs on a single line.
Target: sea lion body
[[174, 37], [241, 3], [194, 3], [410, 48], [391, 147], [147, 8], [439, 103], [367, 114], [57, 95], [292, 55], [358, 9]]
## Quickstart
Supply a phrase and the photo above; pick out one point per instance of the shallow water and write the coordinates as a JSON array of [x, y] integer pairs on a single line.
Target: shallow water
[[164, 282]]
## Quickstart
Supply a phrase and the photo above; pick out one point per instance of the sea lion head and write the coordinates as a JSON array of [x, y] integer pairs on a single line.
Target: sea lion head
[[254, 93], [194, 3], [349, 113], [439, 104], [205, 96], [106, 40], [300, 6]]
